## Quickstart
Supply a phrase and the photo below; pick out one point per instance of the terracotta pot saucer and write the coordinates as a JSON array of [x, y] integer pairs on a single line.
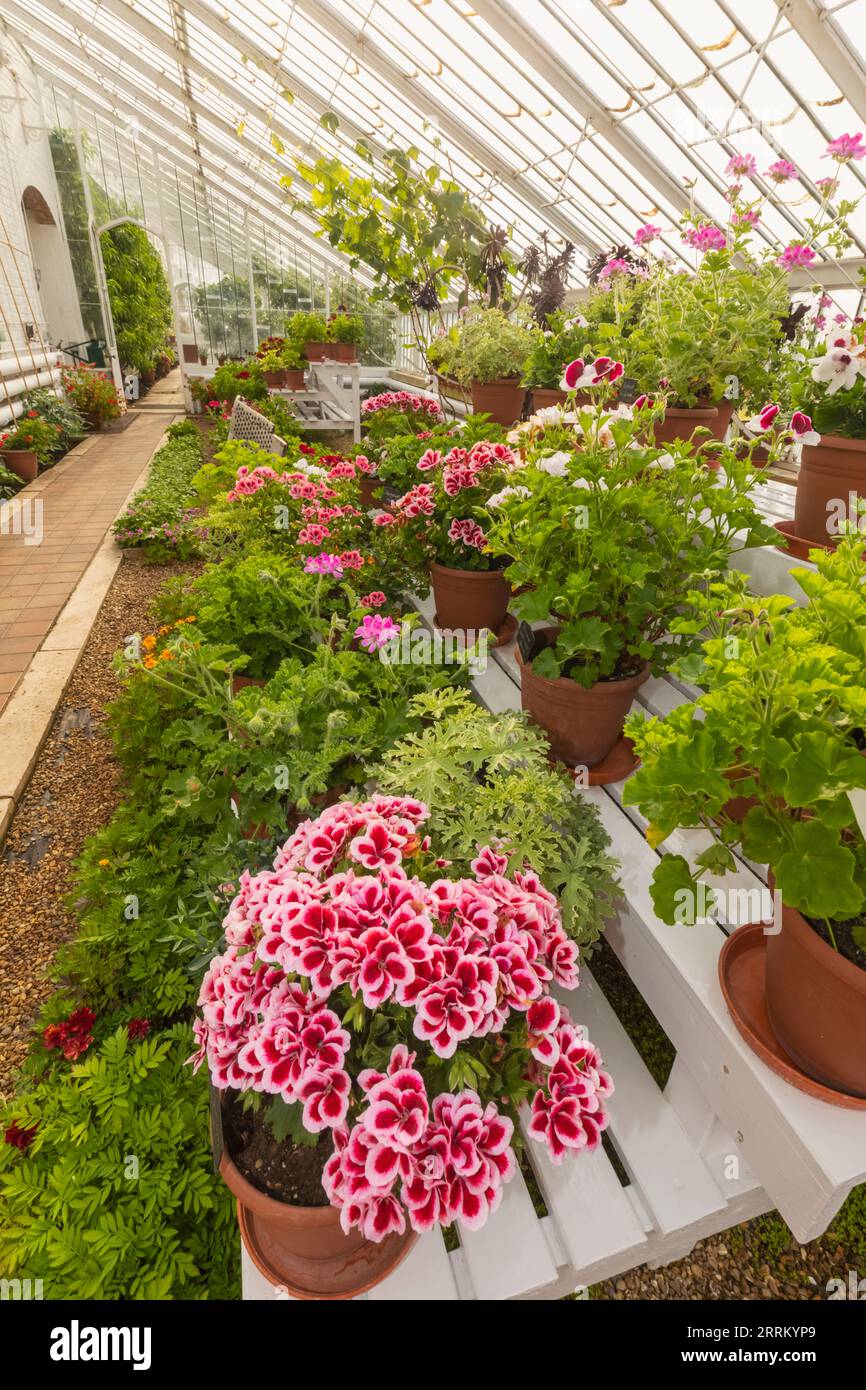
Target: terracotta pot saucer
[[504, 633], [798, 546], [620, 761], [742, 964], [345, 1276]]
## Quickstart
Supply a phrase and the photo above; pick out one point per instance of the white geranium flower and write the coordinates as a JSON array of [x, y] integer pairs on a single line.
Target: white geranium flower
[[499, 497], [549, 415], [555, 464], [841, 365]]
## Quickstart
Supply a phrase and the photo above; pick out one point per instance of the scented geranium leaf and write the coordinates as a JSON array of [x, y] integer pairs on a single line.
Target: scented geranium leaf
[[693, 765], [817, 874], [820, 768], [582, 635], [534, 606], [671, 883], [764, 839], [718, 859], [546, 664], [286, 1122]]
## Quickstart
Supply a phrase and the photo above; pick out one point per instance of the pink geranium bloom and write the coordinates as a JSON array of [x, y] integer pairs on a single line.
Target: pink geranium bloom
[[376, 631], [617, 265], [796, 255], [706, 238], [648, 232], [324, 564], [782, 171], [742, 165], [325, 1097], [765, 419], [846, 147]]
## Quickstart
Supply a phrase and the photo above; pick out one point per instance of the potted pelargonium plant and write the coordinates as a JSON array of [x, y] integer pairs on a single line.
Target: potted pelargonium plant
[[713, 336], [281, 365], [310, 332], [781, 723], [346, 332], [374, 1027], [565, 339], [440, 522], [604, 541], [833, 461], [489, 360], [398, 412], [93, 394], [28, 443]]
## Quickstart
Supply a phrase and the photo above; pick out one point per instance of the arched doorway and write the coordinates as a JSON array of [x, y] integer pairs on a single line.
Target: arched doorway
[[52, 269]]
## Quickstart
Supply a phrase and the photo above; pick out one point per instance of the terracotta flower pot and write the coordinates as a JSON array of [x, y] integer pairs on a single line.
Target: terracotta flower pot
[[24, 462], [452, 389], [816, 1004], [502, 400], [680, 423], [345, 352], [545, 396], [582, 722], [305, 1249], [469, 599], [317, 352], [275, 379], [369, 490], [294, 378], [241, 682], [829, 473]]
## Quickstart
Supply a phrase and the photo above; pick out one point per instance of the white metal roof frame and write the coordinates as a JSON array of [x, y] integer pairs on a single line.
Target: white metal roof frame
[[583, 119]]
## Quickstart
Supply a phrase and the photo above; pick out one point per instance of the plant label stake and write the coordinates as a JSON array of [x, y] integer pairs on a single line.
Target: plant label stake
[[527, 641]]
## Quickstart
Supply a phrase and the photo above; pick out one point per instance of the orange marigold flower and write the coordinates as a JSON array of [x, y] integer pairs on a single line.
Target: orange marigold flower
[[149, 643]]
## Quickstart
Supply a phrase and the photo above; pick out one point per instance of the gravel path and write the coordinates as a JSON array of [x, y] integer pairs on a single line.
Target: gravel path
[[72, 792]]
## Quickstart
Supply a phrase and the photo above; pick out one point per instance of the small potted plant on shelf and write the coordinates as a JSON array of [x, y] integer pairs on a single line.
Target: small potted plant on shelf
[[605, 539], [29, 442], [489, 361], [833, 461], [310, 332], [346, 332], [781, 723], [374, 1027], [280, 362], [93, 394], [440, 524]]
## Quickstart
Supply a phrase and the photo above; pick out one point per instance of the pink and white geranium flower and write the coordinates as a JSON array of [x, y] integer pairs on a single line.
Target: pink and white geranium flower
[[841, 364], [339, 927], [583, 376]]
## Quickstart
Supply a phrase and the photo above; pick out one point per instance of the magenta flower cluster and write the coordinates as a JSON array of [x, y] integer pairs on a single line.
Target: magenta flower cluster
[[339, 917], [406, 401]]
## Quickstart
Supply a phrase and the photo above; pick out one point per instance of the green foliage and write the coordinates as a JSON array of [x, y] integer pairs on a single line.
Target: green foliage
[[31, 432], [487, 780], [610, 542], [139, 295], [58, 412], [346, 328], [415, 229], [491, 346], [10, 483], [116, 1197], [233, 379], [156, 520], [305, 328], [263, 604], [779, 723]]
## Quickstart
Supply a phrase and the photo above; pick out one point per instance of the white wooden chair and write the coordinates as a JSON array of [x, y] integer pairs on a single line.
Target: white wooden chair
[[248, 424]]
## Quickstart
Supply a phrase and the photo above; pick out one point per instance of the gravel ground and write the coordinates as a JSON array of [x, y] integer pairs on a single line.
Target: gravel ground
[[72, 792]]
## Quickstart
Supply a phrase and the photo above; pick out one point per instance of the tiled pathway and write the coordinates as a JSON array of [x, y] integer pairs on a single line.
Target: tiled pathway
[[80, 499]]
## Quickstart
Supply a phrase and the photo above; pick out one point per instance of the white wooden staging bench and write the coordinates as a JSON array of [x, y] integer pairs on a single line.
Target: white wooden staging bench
[[724, 1141]]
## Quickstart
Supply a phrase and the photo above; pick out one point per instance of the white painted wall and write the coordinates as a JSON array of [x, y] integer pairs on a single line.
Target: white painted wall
[[36, 281]]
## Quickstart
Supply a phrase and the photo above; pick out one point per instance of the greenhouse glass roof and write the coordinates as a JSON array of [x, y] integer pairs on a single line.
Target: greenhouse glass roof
[[584, 117]]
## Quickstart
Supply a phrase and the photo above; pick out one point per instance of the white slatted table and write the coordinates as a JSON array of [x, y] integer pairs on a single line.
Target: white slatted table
[[725, 1141], [327, 403]]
